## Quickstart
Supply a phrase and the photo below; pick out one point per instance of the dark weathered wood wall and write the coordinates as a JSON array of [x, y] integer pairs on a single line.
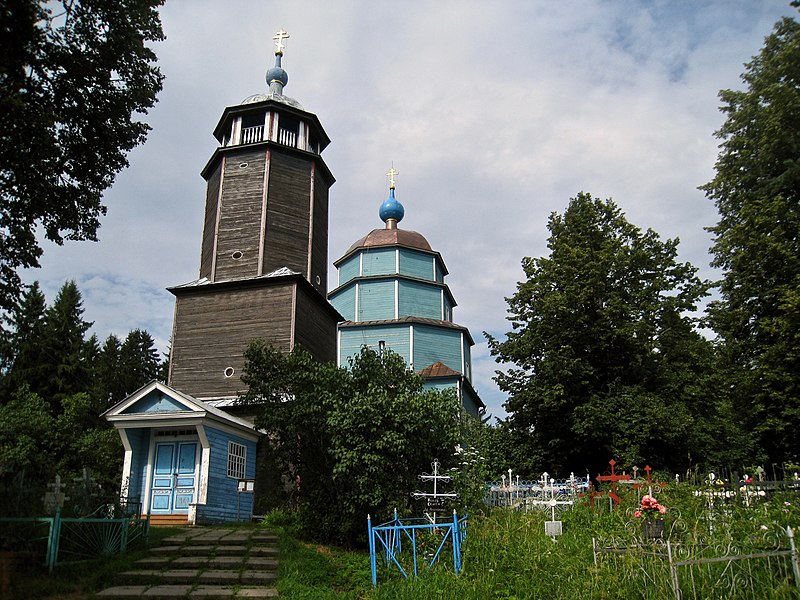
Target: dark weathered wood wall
[[240, 216], [210, 221], [213, 327], [288, 213], [315, 327]]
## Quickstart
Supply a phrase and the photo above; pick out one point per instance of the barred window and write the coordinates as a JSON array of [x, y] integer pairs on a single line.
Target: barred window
[[237, 457]]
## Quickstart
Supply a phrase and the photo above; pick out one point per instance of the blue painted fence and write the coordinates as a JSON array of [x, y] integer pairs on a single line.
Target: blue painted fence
[[423, 541]]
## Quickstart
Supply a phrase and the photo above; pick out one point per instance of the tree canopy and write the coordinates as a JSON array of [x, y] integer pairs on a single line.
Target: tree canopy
[[756, 190], [73, 77], [347, 442], [605, 358]]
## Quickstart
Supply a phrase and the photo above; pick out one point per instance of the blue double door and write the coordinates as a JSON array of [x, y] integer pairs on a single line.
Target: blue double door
[[174, 477]]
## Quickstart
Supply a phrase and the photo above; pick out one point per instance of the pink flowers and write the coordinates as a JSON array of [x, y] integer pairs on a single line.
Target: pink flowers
[[650, 508]]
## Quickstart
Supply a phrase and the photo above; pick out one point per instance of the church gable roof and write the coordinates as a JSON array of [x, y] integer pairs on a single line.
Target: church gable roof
[[156, 403]]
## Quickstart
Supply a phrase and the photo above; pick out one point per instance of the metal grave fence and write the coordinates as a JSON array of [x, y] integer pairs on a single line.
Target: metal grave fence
[[541, 494], [414, 545], [59, 540], [684, 571]]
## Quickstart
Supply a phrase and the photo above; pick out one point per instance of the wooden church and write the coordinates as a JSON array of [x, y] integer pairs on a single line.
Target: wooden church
[[190, 453]]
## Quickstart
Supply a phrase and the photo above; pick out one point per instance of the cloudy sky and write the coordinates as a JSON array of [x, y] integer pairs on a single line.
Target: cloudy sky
[[494, 113]]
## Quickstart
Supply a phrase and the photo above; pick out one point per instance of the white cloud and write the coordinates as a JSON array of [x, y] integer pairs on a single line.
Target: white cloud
[[495, 115]]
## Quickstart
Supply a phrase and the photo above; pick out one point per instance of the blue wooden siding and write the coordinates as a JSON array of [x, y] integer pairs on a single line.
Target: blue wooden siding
[[448, 308], [349, 269], [382, 261], [155, 402], [420, 300], [441, 384], [139, 440], [432, 344], [345, 302], [467, 359], [222, 490], [353, 338], [439, 274], [416, 264], [470, 403], [375, 300]]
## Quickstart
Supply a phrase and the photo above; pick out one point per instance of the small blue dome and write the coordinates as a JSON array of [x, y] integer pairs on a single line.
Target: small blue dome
[[277, 74], [391, 209]]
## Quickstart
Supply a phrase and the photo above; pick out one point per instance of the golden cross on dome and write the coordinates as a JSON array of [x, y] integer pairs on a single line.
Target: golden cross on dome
[[279, 37], [391, 174]]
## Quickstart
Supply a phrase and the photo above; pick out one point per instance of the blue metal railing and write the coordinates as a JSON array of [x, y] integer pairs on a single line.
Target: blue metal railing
[[389, 538]]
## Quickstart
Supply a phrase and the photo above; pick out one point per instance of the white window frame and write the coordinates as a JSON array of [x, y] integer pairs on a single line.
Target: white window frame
[[237, 460]]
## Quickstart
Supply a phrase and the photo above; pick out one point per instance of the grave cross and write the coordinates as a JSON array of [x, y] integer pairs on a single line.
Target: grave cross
[[437, 499], [613, 479], [54, 499]]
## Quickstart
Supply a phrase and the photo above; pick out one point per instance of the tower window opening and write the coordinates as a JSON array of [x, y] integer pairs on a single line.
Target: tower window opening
[[287, 131], [252, 128], [229, 372], [237, 255]]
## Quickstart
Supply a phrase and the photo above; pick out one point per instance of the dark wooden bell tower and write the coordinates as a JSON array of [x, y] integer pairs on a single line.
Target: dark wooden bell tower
[[264, 252]]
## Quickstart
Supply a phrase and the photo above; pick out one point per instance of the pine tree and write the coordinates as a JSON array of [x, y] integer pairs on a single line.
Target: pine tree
[[23, 354], [64, 363]]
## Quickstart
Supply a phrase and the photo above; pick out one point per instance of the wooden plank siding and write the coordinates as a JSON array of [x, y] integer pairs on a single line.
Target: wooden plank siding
[[222, 490], [432, 344], [344, 300], [381, 261], [420, 300], [287, 228], [397, 338], [213, 327], [210, 222], [139, 440], [315, 325], [376, 300], [240, 215], [349, 269], [319, 248], [417, 264]]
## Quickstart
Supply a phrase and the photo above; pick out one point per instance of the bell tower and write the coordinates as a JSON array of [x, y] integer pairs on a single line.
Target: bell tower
[[264, 250]]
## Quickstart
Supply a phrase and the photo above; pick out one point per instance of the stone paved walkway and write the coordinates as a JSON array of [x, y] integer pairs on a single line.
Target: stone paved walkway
[[204, 562]]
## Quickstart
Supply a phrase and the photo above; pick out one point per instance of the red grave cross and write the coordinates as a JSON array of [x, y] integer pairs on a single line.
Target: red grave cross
[[613, 478]]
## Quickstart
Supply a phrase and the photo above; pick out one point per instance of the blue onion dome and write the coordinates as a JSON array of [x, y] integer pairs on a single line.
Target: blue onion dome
[[277, 75], [391, 209]]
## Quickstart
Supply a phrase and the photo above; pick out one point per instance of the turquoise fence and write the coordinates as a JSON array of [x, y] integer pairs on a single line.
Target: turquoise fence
[[58, 540], [413, 545]]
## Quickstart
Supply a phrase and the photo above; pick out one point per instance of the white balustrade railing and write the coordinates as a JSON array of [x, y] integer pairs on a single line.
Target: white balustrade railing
[[287, 137], [250, 135]]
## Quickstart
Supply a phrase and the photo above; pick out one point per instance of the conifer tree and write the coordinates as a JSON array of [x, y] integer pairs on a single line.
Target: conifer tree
[[64, 367]]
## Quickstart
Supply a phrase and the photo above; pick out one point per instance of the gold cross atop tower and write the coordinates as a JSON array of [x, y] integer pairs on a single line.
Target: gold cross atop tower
[[279, 37], [391, 174]]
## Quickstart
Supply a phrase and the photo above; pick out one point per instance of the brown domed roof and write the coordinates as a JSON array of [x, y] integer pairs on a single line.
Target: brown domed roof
[[390, 237]]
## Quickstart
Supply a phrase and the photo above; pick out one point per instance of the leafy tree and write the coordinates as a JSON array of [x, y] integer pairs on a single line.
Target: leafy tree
[[757, 192], [597, 332], [73, 76], [349, 441]]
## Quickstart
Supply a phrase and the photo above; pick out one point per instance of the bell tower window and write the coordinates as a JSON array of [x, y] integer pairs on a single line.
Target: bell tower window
[[287, 131], [252, 128]]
